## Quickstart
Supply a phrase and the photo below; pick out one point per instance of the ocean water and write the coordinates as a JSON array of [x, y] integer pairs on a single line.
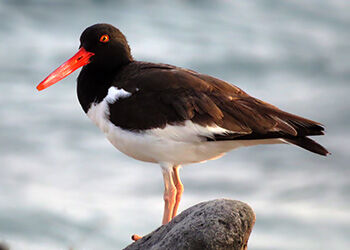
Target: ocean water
[[62, 185]]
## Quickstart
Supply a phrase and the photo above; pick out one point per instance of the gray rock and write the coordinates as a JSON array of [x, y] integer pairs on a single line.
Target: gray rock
[[3, 246], [218, 224]]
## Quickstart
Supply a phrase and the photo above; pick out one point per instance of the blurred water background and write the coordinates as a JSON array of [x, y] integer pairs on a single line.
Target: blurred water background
[[62, 185]]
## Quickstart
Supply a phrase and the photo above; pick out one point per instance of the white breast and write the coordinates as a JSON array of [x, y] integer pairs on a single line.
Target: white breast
[[175, 144]]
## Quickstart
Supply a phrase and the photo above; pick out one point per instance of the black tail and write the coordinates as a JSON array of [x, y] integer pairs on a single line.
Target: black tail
[[304, 127], [308, 144], [259, 120]]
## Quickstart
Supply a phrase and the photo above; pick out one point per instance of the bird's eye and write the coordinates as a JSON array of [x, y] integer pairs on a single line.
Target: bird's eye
[[104, 38]]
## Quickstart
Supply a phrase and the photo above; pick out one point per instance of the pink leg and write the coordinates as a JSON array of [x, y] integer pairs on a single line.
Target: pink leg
[[171, 198], [169, 193], [179, 188]]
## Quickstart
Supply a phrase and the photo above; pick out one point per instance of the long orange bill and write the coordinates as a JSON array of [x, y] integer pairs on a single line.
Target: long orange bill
[[81, 58]]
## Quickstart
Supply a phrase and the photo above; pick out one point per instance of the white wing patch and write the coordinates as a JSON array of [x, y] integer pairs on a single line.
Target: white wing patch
[[189, 132], [114, 94]]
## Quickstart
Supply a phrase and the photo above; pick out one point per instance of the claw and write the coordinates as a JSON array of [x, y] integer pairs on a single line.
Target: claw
[[136, 237]]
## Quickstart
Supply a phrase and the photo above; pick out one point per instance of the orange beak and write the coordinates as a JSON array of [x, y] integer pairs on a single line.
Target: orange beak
[[81, 58]]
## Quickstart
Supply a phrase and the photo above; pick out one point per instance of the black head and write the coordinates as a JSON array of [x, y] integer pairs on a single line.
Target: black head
[[108, 44], [102, 47]]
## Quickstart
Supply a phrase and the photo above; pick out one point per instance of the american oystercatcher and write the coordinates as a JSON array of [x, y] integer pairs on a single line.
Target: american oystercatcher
[[169, 115]]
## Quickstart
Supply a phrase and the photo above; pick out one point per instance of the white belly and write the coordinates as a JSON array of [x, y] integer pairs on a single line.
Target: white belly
[[175, 144]]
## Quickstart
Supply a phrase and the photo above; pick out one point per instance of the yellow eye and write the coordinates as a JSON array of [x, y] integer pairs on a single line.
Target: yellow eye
[[104, 38]]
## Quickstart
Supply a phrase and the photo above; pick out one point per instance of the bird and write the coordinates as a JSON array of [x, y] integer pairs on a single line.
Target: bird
[[169, 115]]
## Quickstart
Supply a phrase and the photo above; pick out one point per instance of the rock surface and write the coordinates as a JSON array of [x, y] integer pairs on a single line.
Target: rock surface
[[218, 224], [3, 246]]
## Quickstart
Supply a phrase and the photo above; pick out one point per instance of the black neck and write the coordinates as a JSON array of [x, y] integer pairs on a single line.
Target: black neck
[[93, 85]]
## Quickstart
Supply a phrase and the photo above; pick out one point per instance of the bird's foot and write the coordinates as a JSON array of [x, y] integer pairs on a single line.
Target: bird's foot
[[136, 237]]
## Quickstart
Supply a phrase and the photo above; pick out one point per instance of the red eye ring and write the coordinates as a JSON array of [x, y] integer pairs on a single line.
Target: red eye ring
[[104, 38]]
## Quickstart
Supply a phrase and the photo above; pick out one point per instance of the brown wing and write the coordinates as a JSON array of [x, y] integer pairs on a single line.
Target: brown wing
[[170, 95]]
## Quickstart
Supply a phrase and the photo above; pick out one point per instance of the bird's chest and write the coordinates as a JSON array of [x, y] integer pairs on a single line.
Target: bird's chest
[[98, 111], [129, 142]]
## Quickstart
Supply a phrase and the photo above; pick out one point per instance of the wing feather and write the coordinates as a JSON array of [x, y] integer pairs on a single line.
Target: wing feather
[[171, 96]]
